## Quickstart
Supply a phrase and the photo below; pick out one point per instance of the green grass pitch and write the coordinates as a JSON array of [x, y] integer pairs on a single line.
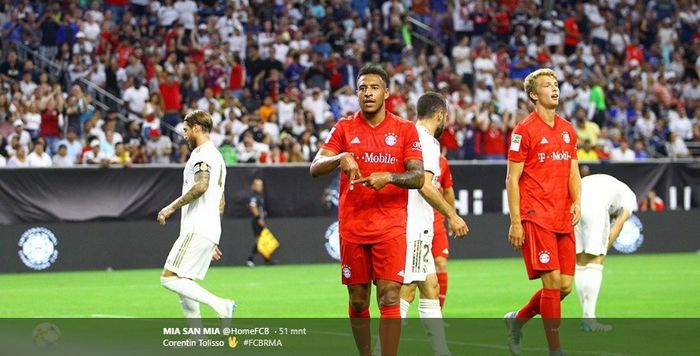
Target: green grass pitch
[[655, 286]]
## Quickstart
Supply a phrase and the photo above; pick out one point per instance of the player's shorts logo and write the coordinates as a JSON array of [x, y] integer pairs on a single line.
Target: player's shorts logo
[[390, 139], [544, 257], [346, 271], [37, 248]]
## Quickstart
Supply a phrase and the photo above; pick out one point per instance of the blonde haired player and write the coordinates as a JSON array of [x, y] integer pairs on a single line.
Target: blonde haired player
[[202, 204], [602, 197], [544, 198]]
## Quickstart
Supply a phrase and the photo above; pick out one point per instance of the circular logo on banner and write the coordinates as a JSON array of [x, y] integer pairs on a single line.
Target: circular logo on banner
[[37, 248], [333, 241], [631, 237]]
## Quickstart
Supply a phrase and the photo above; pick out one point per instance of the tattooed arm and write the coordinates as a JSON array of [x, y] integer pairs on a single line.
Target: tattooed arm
[[412, 178], [201, 184]]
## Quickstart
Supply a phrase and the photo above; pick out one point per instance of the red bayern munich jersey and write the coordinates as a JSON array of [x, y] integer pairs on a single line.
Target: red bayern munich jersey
[[544, 184], [444, 181], [366, 215]]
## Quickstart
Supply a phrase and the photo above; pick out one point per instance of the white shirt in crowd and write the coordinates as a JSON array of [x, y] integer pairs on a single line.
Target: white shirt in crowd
[[36, 160], [186, 10]]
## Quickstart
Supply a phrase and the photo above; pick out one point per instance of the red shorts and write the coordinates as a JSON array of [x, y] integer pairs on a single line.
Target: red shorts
[[365, 263], [544, 250], [441, 245]]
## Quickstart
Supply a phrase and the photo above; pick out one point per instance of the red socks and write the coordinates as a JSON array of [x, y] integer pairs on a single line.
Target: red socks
[[361, 330], [530, 309], [442, 282], [389, 311], [361, 314], [550, 308]]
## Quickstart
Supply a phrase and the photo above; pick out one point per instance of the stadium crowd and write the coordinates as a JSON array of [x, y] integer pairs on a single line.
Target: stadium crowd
[[277, 74]]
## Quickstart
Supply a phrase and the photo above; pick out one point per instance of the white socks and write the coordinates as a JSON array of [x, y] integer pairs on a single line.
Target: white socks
[[431, 317], [405, 305], [588, 280], [189, 289]]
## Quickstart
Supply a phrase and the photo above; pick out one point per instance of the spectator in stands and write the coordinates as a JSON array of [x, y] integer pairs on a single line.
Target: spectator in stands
[[159, 147], [622, 153], [249, 150], [676, 147], [38, 157], [11, 69], [19, 159], [23, 137], [121, 155], [135, 98], [586, 153], [95, 155], [640, 150], [61, 158]]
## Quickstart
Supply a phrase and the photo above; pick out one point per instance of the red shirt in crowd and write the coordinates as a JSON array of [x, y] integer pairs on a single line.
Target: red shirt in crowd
[[237, 77], [494, 142], [365, 215], [544, 184], [444, 181], [572, 34], [49, 124], [171, 96]]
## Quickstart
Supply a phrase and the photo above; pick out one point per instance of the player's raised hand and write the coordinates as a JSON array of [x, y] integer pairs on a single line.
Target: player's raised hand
[[217, 254], [458, 227], [376, 180], [349, 166], [516, 236], [576, 213], [164, 214]]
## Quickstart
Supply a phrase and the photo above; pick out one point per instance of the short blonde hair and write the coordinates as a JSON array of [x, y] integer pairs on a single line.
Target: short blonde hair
[[531, 80]]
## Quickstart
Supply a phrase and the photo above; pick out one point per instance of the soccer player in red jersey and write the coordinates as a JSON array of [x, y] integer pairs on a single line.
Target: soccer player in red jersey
[[441, 247], [381, 158], [544, 196]]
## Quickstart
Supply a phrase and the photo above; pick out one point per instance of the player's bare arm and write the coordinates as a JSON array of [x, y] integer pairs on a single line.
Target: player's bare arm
[[326, 161], [431, 194], [620, 220], [575, 192], [515, 232], [201, 184], [411, 179]]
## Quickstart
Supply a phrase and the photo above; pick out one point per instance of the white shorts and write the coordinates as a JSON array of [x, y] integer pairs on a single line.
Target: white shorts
[[419, 256], [593, 231], [190, 256]]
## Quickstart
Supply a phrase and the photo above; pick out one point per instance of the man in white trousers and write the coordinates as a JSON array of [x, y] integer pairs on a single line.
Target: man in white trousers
[[603, 198]]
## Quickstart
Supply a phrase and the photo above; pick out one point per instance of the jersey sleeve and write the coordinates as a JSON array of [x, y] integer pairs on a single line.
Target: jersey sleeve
[[253, 202], [412, 149], [431, 154], [574, 143], [519, 144], [445, 173], [335, 141]]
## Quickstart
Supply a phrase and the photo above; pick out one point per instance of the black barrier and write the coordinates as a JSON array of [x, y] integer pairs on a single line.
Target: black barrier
[[145, 244], [92, 194], [309, 337]]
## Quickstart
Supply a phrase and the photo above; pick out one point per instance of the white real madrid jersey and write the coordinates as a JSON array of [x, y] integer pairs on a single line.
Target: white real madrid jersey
[[420, 212], [602, 190], [201, 216]]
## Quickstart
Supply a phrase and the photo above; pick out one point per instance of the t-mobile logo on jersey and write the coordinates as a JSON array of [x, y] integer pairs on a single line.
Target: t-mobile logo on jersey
[[555, 156], [384, 158]]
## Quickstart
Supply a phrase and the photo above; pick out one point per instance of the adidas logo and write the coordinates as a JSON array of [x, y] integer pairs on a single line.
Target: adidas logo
[[355, 140], [544, 140]]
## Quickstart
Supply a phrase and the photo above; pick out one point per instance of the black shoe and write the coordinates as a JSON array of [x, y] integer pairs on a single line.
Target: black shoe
[[272, 262]]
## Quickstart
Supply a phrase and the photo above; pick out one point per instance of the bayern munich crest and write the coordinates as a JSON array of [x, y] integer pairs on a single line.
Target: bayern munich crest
[[544, 256], [37, 248], [631, 236], [346, 271], [566, 137], [390, 139]]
